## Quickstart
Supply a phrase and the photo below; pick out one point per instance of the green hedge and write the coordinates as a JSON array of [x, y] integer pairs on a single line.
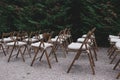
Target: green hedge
[[54, 15]]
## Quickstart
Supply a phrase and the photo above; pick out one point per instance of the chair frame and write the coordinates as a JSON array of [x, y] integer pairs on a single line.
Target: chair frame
[[80, 51], [17, 46], [44, 51]]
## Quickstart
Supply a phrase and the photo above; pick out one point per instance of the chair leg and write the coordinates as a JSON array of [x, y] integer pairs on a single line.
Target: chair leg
[[28, 51], [3, 50], [64, 51], [111, 46], [91, 57], [24, 50], [75, 58], [71, 65], [11, 54], [118, 76], [112, 53], [22, 54], [95, 54], [53, 51], [47, 59], [96, 47], [113, 58], [17, 53], [116, 64], [54, 54], [34, 57], [7, 49], [92, 67], [41, 55]]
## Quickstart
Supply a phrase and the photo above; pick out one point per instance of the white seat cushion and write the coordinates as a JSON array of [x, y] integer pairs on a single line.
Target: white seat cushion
[[31, 39], [57, 40], [7, 39], [114, 40], [113, 36], [77, 46], [86, 35], [117, 45], [18, 43], [82, 39], [46, 45], [40, 36]]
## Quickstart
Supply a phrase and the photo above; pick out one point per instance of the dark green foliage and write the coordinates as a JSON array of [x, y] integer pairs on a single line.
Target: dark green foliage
[[54, 15]]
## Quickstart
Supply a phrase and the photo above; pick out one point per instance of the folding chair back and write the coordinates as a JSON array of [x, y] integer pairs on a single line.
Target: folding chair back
[[46, 37], [7, 37]]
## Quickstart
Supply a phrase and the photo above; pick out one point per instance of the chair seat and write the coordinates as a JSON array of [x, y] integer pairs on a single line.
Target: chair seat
[[117, 45], [113, 36], [86, 35], [82, 39], [40, 36], [58, 40], [45, 45], [114, 40], [19, 43], [7, 39], [31, 39], [77, 46]]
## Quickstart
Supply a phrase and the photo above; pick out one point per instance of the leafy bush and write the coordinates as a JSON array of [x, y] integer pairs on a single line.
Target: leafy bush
[[79, 15]]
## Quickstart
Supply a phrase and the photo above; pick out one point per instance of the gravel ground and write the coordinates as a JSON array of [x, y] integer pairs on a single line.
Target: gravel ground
[[16, 69]]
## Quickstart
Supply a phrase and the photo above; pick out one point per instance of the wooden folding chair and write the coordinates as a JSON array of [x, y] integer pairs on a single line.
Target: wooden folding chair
[[79, 47], [114, 49], [42, 46], [30, 38], [20, 46], [91, 42], [59, 41], [112, 40], [67, 34]]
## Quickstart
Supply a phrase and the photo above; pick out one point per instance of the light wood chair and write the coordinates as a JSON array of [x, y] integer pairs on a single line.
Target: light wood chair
[[18, 46], [112, 40], [42, 46], [79, 48], [59, 42], [92, 43], [32, 37]]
